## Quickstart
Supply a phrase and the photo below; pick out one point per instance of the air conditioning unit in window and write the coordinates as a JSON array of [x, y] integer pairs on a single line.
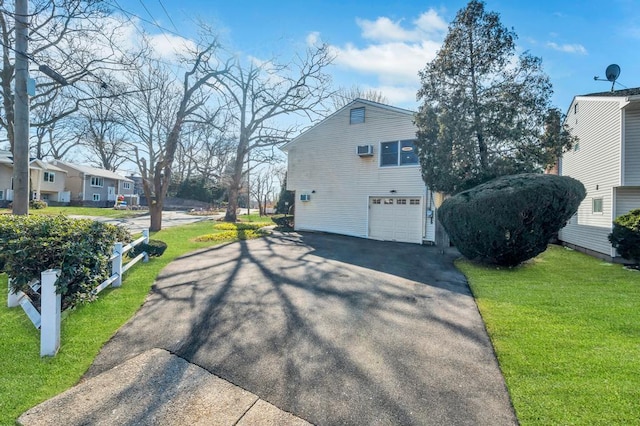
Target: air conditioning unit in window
[[365, 150], [305, 197]]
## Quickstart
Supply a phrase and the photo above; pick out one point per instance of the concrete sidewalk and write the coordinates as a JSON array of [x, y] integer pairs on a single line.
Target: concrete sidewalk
[[157, 388]]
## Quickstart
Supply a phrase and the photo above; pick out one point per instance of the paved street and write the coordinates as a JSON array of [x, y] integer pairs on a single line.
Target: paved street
[[137, 224]]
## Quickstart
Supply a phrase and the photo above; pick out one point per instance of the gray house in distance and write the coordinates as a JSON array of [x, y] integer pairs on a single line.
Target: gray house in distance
[[97, 187]]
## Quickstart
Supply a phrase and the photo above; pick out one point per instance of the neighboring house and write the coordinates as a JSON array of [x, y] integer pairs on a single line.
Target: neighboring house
[[46, 181], [607, 161], [357, 173], [93, 186]]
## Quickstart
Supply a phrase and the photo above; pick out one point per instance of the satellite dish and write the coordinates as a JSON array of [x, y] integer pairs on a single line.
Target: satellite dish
[[612, 73]]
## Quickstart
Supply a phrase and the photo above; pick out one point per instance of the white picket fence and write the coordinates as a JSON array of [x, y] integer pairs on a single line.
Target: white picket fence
[[48, 319]]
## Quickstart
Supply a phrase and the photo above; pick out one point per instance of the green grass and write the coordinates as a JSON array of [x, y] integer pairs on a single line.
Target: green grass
[[566, 330], [26, 379], [253, 218], [85, 211]]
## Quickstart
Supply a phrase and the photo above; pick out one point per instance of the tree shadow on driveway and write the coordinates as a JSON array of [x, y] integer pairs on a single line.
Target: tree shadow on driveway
[[333, 329]]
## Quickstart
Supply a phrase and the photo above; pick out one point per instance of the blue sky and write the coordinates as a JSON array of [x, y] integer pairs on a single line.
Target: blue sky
[[383, 44]]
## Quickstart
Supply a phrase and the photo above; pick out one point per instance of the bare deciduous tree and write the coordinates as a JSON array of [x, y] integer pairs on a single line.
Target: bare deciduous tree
[[156, 113], [69, 37], [343, 96], [260, 94]]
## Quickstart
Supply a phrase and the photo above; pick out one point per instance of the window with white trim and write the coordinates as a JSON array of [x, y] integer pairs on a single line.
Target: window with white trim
[[398, 153], [596, 205], [1, 194], [356, 115], [96, 197], [414, 202], [126, 185], [49, 176], [97, 181]]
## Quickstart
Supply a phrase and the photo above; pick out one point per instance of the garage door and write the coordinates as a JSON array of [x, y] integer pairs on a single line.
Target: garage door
[[395, 219]]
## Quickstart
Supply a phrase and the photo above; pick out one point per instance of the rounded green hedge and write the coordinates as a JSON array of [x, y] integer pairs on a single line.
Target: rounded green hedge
[[625, 236], [512, 218]]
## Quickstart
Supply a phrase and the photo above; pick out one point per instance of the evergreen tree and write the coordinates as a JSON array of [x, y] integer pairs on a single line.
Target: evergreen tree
[[483, 107]]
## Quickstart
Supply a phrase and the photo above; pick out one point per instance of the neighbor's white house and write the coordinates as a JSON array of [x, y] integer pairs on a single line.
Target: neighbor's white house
[[46, 181], [357, 173], [607, 161]]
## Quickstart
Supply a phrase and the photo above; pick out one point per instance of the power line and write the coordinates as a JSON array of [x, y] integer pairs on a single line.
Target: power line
[[168, 16], [115, 4]]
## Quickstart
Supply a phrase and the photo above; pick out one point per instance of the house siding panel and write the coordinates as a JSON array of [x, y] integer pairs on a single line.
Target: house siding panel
[[597, 164], [324, 160], [632, 148], [627, 199]]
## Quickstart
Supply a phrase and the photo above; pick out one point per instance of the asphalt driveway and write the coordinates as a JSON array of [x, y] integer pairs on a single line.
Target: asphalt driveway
[[333, 329]]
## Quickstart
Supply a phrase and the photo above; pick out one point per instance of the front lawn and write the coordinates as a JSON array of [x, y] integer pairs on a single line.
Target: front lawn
[[566, 330], [27, 379]]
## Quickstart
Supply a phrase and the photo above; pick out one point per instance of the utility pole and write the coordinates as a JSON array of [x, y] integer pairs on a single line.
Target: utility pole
[[21, 119]]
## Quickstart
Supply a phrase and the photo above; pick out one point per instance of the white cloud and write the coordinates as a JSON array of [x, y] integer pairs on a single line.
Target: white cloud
[[568, 48], [384, 29], [170, 47], [391, 62], [313, 39], [395, 51]]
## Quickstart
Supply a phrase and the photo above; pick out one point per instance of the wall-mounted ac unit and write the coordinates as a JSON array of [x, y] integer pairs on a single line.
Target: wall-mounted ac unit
[[305, 197], [364, 150]]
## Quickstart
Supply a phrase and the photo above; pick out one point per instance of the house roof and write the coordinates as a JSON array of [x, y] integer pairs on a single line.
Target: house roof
[[34, 163], [94, 171], [617, 93], [39, 164], [349, 105]]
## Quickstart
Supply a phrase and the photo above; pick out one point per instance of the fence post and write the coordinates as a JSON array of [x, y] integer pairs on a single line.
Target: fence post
[[116, 264], [145, 234], [50, 302], [12, 300]]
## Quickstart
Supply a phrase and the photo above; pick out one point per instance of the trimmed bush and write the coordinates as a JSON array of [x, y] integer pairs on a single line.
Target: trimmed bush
[[80, 248], [247, 234], [625, 236], [38, 204], [512, 218], [284, 222], [242, 226], [155, 248]]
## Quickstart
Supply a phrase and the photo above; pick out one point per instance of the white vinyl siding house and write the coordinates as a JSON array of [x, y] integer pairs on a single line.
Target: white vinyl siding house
[[341, 191], [607, 162]]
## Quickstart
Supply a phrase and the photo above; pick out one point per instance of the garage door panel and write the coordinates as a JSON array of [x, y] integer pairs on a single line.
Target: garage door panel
[[395, 219]]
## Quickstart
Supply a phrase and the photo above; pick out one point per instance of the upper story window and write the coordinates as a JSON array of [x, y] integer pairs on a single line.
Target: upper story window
[[97, 181], [575, 108], [126, 185], [49, 176], [398, 153], [356, 115]]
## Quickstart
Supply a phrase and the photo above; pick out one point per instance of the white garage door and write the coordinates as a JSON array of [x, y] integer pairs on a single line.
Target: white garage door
[[396, 219]]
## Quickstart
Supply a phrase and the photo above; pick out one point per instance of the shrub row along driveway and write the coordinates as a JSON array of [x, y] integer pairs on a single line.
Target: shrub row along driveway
[[333, 329]]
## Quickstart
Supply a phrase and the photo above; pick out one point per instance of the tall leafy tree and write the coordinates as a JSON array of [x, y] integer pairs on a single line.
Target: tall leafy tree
[[483, 106]]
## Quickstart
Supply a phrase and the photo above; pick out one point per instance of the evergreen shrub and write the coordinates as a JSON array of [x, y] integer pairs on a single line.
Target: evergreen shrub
[[625, 236], [154, 248], [510, 219], [80, 248]]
